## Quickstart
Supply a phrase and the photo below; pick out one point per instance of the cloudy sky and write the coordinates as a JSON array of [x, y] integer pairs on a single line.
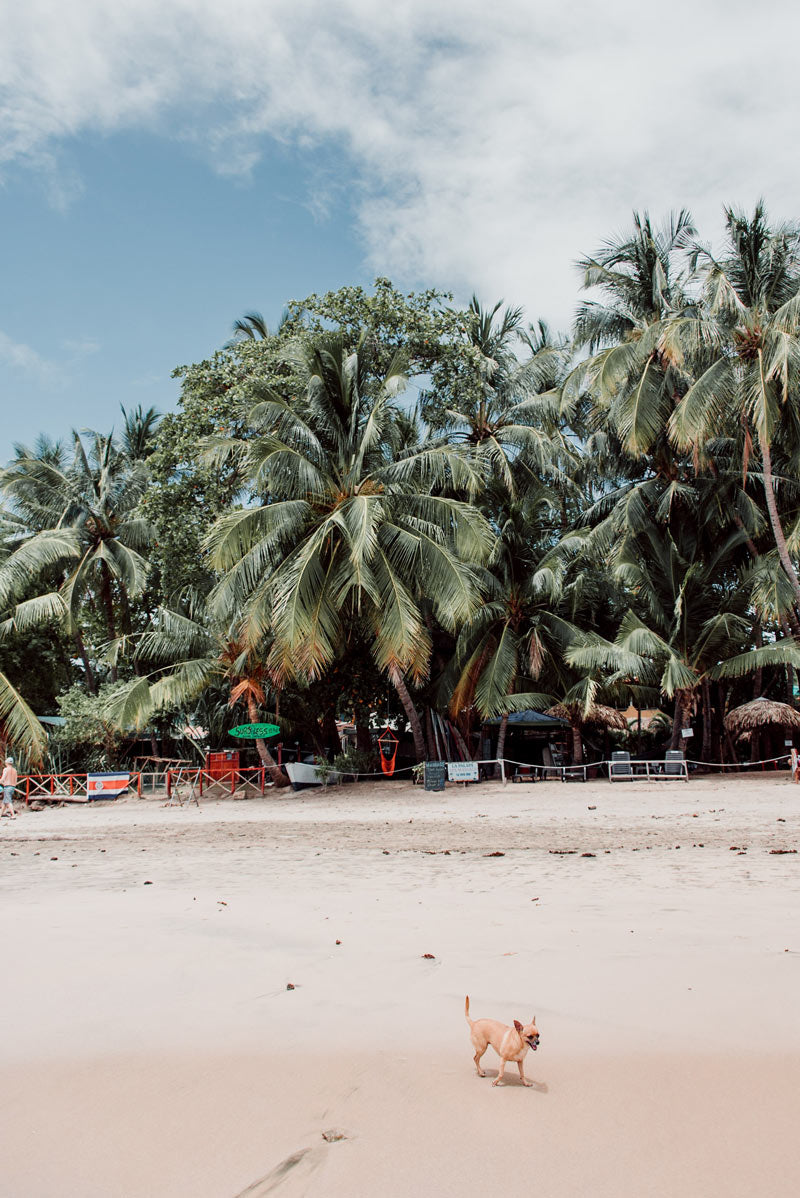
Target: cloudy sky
[[166, 165]]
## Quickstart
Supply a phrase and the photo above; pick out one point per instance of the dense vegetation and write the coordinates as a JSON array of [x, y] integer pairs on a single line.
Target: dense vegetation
[[389, 504]]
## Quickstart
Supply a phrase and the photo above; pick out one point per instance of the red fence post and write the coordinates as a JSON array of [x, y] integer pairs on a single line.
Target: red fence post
[[169, 784]]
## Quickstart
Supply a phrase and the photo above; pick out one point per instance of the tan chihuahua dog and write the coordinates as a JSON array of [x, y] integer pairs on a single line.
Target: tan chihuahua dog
[[510, 1043]]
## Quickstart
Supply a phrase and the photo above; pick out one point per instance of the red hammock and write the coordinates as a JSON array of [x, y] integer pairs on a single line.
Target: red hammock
[[387, 744]]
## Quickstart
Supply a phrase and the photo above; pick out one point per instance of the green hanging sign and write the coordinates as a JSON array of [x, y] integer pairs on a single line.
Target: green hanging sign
[[255, 731]]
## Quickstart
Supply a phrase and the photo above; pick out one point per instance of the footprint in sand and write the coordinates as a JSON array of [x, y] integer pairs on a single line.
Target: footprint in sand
[[295, 1169]]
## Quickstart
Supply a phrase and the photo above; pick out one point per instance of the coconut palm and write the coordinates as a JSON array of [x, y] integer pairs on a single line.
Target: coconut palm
[[517, 633], [633, 385], [88, 507], [506, 410], [743, 346], [355, 530], [187, 654], [689, 629]]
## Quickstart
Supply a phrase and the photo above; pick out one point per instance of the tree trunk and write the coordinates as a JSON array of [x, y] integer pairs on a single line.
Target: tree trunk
[[433, 748], [330, 734], [363, 738], [774, 518], [266, 758], [501, 741], [577, 745], [758, 674], [108, 603], [705, 752], [681, 718], [91, 685], [399, 683]]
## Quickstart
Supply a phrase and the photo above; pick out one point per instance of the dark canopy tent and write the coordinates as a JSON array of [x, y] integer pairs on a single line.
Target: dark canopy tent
[[529, 734]]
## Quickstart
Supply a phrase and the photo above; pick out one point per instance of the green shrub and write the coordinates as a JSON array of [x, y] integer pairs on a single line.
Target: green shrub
[[356, 761]]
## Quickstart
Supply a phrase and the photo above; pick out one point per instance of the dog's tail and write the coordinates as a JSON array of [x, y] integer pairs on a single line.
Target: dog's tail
[[466, 1011]]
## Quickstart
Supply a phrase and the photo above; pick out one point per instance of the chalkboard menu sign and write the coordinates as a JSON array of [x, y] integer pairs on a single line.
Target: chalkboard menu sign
[[435, 775]]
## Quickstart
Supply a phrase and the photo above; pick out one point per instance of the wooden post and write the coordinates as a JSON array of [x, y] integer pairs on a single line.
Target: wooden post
[[169, 784], [794, 767]]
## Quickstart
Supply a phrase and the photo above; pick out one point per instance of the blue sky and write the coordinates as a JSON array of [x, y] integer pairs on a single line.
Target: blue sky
[[145, 269], [167, 165]]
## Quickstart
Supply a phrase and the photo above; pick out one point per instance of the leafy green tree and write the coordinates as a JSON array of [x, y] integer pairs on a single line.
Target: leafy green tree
[[353, 532]]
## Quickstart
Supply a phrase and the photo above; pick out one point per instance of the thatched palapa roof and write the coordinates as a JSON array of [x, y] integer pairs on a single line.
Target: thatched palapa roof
[[603, 717], [758, 714]]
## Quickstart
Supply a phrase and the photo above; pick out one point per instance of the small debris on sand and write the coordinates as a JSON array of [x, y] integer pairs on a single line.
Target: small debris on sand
[[147, 883], [588, 854], [495, 854], [338, 942], [781, 852], [333, 1134], [428, 957], [290, 986]]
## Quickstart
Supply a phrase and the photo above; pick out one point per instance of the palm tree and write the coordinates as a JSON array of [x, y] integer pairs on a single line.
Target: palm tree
[[355, 529], [506, 411], [87, 508], [190, 653], [693, 628], [633, 384], [743, 346], [517, 632]]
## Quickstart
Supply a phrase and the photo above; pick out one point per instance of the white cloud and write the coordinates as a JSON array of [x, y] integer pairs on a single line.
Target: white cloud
[[23, 358], [490, 144]]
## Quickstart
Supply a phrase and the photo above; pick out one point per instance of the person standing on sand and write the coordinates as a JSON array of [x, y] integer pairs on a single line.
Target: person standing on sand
[[8, 781]]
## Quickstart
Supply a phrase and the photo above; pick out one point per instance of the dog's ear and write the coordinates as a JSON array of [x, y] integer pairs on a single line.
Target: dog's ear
[[518, 1025]]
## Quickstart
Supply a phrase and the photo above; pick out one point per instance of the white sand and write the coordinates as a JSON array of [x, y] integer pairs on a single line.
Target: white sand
[[151, 1047]]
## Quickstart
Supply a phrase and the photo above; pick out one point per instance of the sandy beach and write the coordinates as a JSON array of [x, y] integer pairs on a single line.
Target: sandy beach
[[152, 1046]]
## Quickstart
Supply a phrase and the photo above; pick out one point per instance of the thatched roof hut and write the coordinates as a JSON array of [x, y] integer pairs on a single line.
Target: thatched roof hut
[[598, 714], [760, 713]]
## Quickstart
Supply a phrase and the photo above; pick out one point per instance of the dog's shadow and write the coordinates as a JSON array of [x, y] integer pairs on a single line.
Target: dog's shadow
[[539, 1087]]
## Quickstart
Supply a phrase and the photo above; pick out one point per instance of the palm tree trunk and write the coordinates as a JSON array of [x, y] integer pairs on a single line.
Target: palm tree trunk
[[758, 674], [681, 718], [412, 715], [433, 748], [108, 603], [501, 739], [91, 685], [266, 758], [706, 693], [774, 518], [577, 745]]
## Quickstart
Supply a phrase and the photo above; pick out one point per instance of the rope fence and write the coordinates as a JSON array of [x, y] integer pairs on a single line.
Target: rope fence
[[73, 787]]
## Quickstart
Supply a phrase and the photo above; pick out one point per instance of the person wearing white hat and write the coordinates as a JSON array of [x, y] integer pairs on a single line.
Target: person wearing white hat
[[8, 781]]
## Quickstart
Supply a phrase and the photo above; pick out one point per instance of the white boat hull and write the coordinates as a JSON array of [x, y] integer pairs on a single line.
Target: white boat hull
[[304, 773]]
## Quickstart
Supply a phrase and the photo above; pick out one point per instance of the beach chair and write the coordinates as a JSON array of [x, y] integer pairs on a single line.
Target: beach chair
[[620, 769], [675, 764]]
